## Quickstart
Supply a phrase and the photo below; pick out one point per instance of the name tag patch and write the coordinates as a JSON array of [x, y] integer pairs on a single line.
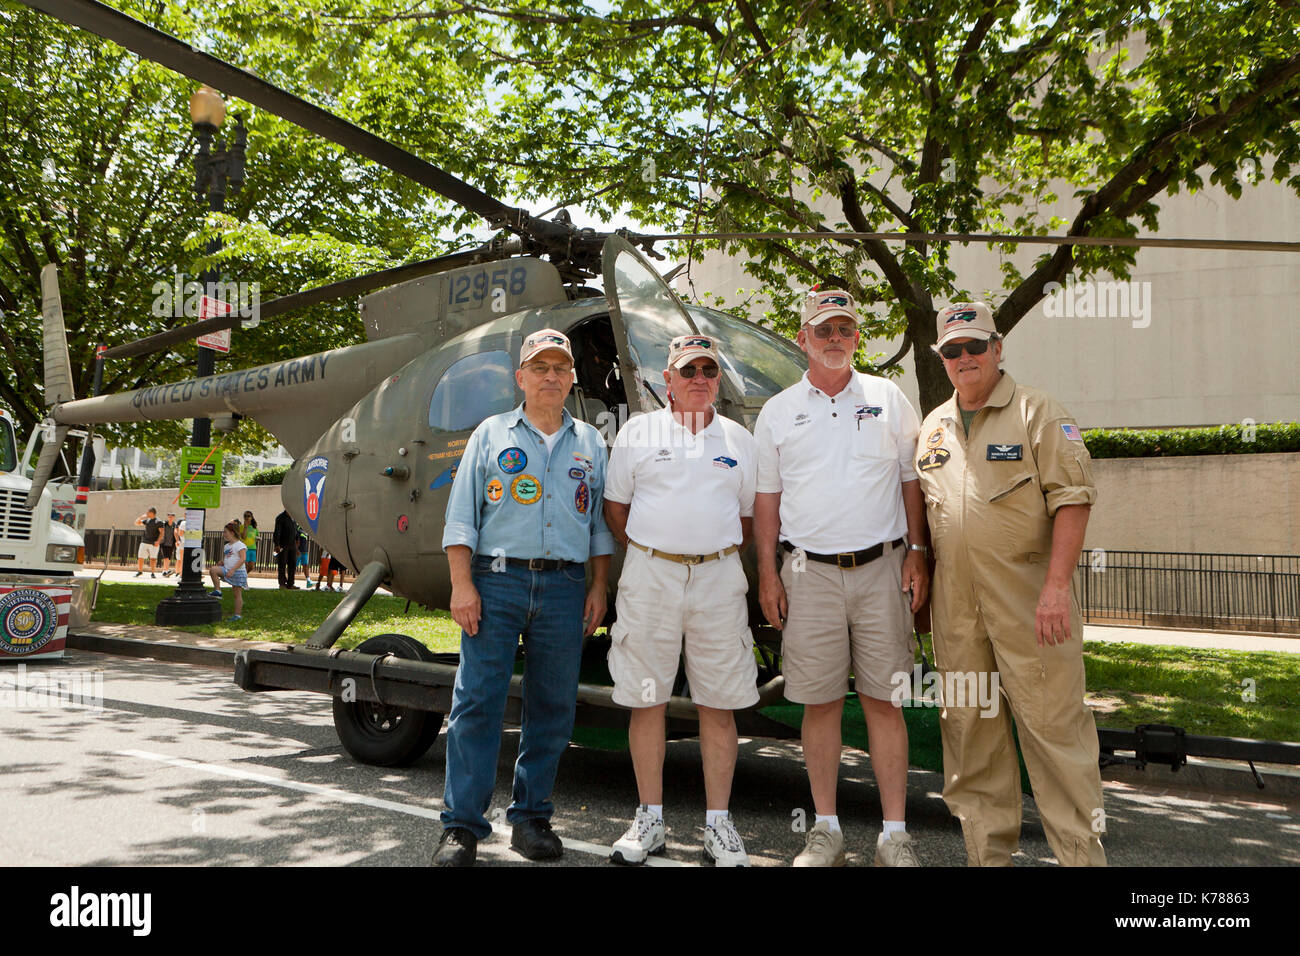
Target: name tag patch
[[1005, 453], [722, 461]]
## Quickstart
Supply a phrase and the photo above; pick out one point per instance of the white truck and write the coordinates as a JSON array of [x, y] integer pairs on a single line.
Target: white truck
[[41, 593]]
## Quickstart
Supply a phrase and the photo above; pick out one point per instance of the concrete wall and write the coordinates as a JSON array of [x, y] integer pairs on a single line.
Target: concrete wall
[[107, 509], [1236, 504], [1226, 504]]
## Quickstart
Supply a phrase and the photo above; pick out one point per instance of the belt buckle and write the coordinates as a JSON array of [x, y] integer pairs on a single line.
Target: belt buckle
[[692, 558], [852, 559], [535, 564]]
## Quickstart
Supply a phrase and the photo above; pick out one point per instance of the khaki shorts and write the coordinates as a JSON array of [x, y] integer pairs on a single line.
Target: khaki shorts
[[663, 606], [149, 551], [837, 617]]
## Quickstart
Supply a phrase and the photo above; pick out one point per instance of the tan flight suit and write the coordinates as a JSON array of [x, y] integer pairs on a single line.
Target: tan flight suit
[[990, 498]]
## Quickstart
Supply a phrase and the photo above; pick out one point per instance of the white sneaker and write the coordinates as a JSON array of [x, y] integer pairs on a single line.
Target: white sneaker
[[898, 850], [643, 837], [722, 844], [823, 847]]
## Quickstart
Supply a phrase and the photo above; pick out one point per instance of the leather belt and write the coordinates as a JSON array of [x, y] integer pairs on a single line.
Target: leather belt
[[537, 564], [684, 558], [848, 559]]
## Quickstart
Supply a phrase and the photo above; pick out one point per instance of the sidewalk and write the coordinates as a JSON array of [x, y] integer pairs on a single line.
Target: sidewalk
[[1225, 640]]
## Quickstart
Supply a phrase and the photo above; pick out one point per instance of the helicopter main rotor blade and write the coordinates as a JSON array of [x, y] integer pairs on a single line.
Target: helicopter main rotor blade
[[167, 50], [298, 300]]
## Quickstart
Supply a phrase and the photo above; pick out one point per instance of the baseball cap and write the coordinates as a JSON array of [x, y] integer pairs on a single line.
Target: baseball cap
[[823, 304], [542, 340], [964, 320], [687, 348]]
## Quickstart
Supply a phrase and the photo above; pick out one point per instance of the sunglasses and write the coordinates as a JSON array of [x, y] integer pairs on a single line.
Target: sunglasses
[[954, 349], [845, 330], [688, 371]]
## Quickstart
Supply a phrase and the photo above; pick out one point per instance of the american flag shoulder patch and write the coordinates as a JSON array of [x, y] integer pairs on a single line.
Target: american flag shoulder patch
[[1071, 432]]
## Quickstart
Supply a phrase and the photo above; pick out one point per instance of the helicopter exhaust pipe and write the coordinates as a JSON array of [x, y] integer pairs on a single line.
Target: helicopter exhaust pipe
[[363, 588]]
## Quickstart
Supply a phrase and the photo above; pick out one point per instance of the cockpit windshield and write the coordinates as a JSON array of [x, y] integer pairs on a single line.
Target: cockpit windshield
[[8, 449], [652, 318], [760, 363]]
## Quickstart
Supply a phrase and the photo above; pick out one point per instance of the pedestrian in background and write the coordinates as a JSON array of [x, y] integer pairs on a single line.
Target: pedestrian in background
[[304, 554], [250, 539], [167, 547], [149, 543], [285, 540]]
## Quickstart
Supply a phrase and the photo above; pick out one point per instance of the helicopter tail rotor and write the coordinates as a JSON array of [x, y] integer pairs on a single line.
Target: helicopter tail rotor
[[58, 380]]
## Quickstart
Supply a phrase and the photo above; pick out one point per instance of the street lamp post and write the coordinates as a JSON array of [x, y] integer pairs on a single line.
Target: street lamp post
[[216, 171]]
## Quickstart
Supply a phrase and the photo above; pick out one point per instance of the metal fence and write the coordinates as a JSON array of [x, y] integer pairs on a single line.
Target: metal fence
[[1222, 592], [127, 542]]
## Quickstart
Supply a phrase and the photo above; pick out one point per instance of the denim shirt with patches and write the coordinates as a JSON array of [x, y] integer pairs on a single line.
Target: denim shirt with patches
[[510, 497]]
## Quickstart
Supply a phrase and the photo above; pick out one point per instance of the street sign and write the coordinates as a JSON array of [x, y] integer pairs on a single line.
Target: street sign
[[210, 308], [200, 479]]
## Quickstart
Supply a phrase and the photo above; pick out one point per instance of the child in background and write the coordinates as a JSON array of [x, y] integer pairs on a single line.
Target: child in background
[[250, 539], [231, 569], [303, 552]]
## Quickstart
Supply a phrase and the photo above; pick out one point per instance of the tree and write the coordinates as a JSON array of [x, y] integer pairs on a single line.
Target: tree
[[95, 153], [915, 115]]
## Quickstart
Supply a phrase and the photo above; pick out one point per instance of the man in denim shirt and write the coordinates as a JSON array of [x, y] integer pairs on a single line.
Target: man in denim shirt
[[524, 516]]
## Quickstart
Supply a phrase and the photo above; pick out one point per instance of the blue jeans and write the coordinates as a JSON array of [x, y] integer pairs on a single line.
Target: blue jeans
[[545, 607]]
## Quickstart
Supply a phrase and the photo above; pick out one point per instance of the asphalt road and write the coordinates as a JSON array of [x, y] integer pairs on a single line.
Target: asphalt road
[[179, 766]]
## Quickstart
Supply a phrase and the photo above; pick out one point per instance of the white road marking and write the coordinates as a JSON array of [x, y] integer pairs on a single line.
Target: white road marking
[[347, 796]]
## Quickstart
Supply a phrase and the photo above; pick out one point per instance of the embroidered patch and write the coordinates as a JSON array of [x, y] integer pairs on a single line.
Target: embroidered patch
[[664, 454], [582, 497], [967, 316], [577, 473], [403, 522], [1004, 453], [525, 489], [868, 411], [584, 461], [934, 439], [512, 460], [722, 461], [494, 490], [1072, 432], [934, 458], [803, 418]]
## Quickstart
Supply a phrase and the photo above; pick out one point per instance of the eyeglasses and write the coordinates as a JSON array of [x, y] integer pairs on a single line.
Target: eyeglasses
[[688, 371], [845, 330], [562, 369], [975, 347]]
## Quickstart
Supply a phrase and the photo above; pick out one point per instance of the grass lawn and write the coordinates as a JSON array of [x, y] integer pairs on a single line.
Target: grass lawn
[[1128, 684], [284, 616]]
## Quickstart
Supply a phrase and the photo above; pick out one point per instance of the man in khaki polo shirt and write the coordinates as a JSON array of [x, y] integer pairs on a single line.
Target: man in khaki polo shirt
[[1008, 491], [836, 487], [679, 493]]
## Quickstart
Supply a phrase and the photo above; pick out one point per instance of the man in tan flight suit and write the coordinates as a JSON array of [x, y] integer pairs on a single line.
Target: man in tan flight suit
[[1008, 489]]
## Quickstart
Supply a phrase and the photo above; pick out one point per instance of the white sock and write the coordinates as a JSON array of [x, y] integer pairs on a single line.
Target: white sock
[[656, 809], [891, 826], [833, 821], [712, 816]]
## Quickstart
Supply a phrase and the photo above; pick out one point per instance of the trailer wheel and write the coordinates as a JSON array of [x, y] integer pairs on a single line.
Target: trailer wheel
[[387, 736]]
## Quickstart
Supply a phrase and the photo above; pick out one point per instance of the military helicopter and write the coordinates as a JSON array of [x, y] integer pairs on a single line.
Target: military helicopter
[[377, 429]]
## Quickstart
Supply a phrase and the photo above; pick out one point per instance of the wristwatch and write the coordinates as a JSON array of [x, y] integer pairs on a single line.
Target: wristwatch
[[924, 549]]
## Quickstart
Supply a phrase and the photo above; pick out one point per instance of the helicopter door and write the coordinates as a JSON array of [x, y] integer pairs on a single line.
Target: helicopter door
[[646, 316]]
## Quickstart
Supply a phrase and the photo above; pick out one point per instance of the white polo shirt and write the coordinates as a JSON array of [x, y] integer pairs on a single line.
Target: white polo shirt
[[688, 492], [839, 462]]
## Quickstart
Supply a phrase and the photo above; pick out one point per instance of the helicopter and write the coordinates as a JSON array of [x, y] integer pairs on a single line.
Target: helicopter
[[377, 429]]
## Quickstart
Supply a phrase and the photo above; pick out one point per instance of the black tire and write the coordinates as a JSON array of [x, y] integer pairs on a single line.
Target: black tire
[[387, 736]]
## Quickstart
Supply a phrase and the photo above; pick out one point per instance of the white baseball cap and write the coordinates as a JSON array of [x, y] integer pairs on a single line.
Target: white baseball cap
[[964, 320], [686, 348], [823, 304], [544, 339]]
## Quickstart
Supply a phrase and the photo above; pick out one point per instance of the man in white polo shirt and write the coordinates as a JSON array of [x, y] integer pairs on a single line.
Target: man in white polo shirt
[[679, 493], [838, 490]]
